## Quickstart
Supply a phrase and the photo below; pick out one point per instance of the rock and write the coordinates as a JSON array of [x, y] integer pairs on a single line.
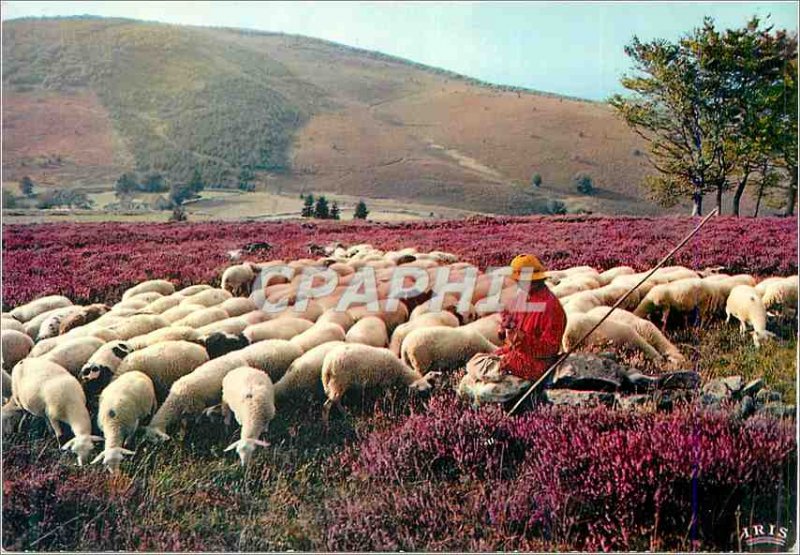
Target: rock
[[753, 387], [745, 408], [777, 409], [716, 389], [257, 246], [683, 379], [766, 396], [734, 384], [639, 383], [571, 397], [711, 400], [632, 402], [666, 399], [586, 372]]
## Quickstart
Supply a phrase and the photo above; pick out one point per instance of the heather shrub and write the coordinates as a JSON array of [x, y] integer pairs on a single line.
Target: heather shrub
[[583, 183]]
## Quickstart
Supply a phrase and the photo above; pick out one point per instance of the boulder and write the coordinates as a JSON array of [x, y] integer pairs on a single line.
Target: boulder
[[778, 410], [753, 387], [639, 383], [573, 398], [723, 389], [683, 379], [745, 408], [766, 396], [632, 402], [585, 372]]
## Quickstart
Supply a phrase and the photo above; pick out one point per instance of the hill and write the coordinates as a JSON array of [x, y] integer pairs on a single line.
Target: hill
[[88, 98]]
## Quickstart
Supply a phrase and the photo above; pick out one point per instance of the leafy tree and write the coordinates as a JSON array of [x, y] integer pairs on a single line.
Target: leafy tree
[[308, 206], [583, 183], [26, 186], [335, 211], [246, 177], [179, 193], [536, 180], [196, 183], [9, 200], [321, 210], [361, 211], [125, 185], [555, 207], [154, 183]]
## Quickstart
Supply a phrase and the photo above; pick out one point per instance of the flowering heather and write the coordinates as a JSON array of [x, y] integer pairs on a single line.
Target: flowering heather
[[96, 262]]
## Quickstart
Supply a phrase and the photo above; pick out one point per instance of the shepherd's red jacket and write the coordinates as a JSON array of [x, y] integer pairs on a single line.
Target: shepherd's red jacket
[[540, 330]]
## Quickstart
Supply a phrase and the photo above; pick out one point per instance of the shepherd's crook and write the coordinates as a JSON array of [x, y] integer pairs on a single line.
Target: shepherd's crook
[[613, 308]]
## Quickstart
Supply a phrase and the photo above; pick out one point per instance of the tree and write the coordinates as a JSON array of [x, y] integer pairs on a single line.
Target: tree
[[9, 200], [26, 186], [583, 183], [321, 210], [179, 193], [154, 183], [361, 211], [536, 180], [335, 211], [125, 185], [308, 206], [246, 177], [196, 183]]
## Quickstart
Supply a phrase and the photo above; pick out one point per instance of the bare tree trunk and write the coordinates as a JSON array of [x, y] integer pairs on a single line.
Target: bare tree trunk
[[719, 199], [791, 194], [697, 200], [758, 198], [737, 195]]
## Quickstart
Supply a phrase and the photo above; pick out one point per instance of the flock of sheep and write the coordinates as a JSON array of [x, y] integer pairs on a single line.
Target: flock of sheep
[[159, 355]]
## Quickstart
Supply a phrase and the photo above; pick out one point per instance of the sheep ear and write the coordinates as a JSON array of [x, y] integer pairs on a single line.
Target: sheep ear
[[68, 444], [233, 445], [98, 458]]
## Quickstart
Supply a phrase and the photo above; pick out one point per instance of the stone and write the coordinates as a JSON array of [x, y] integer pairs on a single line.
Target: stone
[[777, 409], [734, 384], [682, 379], [767, 396], [753, 387], [639, 383], [632, 402], [585, 372], [573, 398], [716, 389], [745, 408]]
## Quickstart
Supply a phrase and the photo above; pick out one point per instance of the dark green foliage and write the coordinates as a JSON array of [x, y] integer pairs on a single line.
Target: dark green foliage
[[26, 186], [178, 214], [334, 211], [308, 206], [555, 207], [321, 209], [245, 180], [126, 185], [536, 180], [361, 211], [583, 183], [69, 198], [154, 182], [9, 200]]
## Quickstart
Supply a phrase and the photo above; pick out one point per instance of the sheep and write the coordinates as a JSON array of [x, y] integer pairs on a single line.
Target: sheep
[[103, 364], [170, 333], [192, 290], [138, 325], [51, 325], [6, 386], [581, 302], [368, 331], [354, 365], [200, 318], [489, 327], [317, 335], [159, 306], [745, 304], [238, 279], [164, 363], [304, 374], [249, 394], [332, 316], [44, 388], [684, 295], [130, 305], [450, 303], [221, 343], [442, 348], [74, 354], [280, 328], [147, 297], [647, 330], [312, 311], [172, 315], [155, 285], [85, 315], [392, 318], [608, 276], [39, 306], [234, 325], [781, 293], [196, 391], [424, 321], [12, 324], [33, 325], [609, 331], [575, 284], [208, 298], [238, 306], [15, 346], [123, 404], [761, 286]]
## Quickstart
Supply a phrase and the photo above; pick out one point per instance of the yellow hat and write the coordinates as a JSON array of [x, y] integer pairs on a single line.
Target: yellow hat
[[528, 261]]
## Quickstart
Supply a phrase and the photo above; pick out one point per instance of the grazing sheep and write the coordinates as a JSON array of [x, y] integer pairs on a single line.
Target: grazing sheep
[[51, 325], [123, 404], [33, 325], [74, 354], [426, 320], [238, 306], [354, 365], [683, 296], [44, 388], [238, 279], [304, 374], [312, 311], [39, 306], [12, 324], [200, 318], [612, 331], [782, 293], [103, 364], [130, 304], [442, 348], [249, 394], [146, 297], [139, 324], [332, 316], [449, 303], [761, 286], [6, 386], [85, 315], [164, 363], [221, 343], [392, 318], [160, 286], [159, 306], [209, 298], [193, 393], [575, 284], [181, 311], [745, 304], [609, 275], [489, 327], [236, 324], [581, 302], [15, 346], [170, 333], [317, 335], [369, 331], [280, 328], [193, 290]]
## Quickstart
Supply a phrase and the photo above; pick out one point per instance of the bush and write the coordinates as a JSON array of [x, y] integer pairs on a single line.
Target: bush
[[583, 183], [361, 211], [536, 180], [9, 200], [555, 207]]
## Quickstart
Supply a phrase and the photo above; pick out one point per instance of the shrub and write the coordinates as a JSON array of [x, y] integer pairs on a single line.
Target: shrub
[[555, 207], [583, 183], [361, 211], [536, 180], [9, 200]]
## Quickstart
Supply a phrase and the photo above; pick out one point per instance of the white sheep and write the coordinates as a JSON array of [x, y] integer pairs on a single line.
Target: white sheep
[[249, 394], [123, 404], [449, 303], [332, 316], [239, 279], [74, 353], [683, 296], [280, 328], [489, 327], [170, 333], [208, 298], [234, 325], [575, 284], [51, 325], [370, 330], [304, 374], [39, 306], [745, 304], [139, 324], [237, 306], [782, 293], [609, 275], [317, 335], [181, 311], [200, 318], [84, 316], [442, 348], [15, 346], [33, 325], [392, 318], [103, 364], [761, 286], [612, 331], [146, 297], [159, 306], [44, 388], [192, 290], [12, 324], [130, 306], [426, 320], [164, 363], [355, 365], [195, 392], [155, 285]]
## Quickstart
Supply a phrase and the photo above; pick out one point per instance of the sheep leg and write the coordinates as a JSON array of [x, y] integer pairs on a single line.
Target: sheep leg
[[742, 327], [57, 429], [227, 414], [664, 319]]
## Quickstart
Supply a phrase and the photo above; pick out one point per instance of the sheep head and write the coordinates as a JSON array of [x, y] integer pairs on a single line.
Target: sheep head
[[426, 382], [218, 344], [111, 458], [81, 445], [759, 336], [155, 435], [245, 448]]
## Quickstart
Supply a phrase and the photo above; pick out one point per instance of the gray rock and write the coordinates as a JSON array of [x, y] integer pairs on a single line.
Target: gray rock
[[745, 408], [734, 384], [584, 372], [716, 389], [711, 400], [639, 383], [778, 410], [632, 402], [571, 397], [766, 396], [753, 387], [683, 379]]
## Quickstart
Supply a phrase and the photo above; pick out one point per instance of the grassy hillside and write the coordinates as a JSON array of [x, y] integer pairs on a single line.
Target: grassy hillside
[[87, 98]]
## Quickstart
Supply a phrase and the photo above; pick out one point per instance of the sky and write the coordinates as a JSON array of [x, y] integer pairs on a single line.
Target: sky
[[570, 48]]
